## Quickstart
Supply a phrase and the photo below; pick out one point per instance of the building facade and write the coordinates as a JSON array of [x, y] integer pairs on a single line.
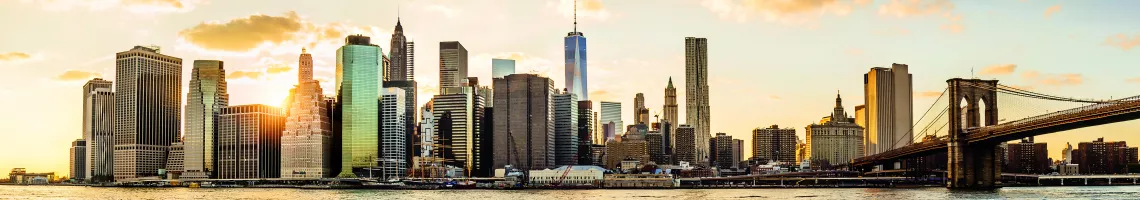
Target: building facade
[[697, 91], [575, 48], [686, 149], [502, 67], [77, 160], [457, 114], [835, 140], [98, 129], [611, 114], [669, 119], [393, 134], [524, 122], [725, 154], [148, 95], [452, 64], [307, 141], [889, 98], [585, 132], [176, 161], [249, 141], [654, 140], [1027, 157], [206, 98], [774, 144], [565, 107], [358, 86], [638, 106], [1100, 157]]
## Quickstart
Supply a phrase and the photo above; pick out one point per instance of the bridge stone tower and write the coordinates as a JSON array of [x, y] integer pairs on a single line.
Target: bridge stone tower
[[972, 165]]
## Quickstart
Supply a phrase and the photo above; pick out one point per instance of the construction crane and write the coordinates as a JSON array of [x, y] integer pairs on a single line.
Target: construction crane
[[563, 177]]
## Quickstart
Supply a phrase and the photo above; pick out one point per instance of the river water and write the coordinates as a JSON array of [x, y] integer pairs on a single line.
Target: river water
[[79, 192]]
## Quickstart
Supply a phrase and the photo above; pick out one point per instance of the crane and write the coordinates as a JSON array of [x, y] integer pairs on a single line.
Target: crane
[[564, 174]]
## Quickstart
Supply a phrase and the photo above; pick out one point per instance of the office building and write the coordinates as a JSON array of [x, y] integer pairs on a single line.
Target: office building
[[686, 148], [398, 54], [1100, 157], [452, 64], [98, 129], [565, 106], [249, 141], [889, 115], [861, 120], [410, 54], [409, 105], [524, 121], [1027, 157], [726, 156], [638, 105], [585, 132], [77, 160], [176, 161], [575, 48], [654, 140], [427, 130], [358, 86], [611, 120], [502, 67], [835, 140], [631, 147], [697, 92], [393, 134], [307, 141], [206, 98], [738, 153], [457, 114], [148, 95], [774, 144], [670, 121]]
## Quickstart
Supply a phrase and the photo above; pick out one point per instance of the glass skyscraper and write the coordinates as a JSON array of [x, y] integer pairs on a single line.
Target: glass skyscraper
[[502, 67], [206, 98], [576, 64], [358, 88]]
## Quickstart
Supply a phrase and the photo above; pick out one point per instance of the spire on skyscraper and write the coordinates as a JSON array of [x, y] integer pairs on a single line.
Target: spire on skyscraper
[[575, 16], [670, 82]]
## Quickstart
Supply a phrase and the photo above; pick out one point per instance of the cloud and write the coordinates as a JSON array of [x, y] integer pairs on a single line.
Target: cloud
[[1030, 75], [913, 8], [239, 74], [446, 11], [954, 25], [784, 11], [1133, 80], [775, 98], [284, 34], [1051, 10], [1000, 69], [273, 66], [587, 9], [1122, 41], [1061, 80], [14, 56], [132, 6], [928, 94], [75, 75]]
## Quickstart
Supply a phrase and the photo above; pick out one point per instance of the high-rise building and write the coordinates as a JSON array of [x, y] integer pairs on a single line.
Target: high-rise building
[[774, 144], [565, 107], [98, 129], [452, 64], [670, 120], [411, 58], [398, 69], [575, 48], [148, 94], [726, 156], [77, 157], [888, 93], [307, 141], [738, 153], [358, 85], [686, 148], [861, 120], [427, 130], [585, 132], [249, 141], [835, 140], [611, 120], [654, 141], [638, 106], [524, 122], [1067, 154], [401, 74], [697, 91], [206, 98], [1027, 157], [457, 114], [502, 67], [1100, 157], [393, 136], [176, 160], [631, 147], [409, 100]]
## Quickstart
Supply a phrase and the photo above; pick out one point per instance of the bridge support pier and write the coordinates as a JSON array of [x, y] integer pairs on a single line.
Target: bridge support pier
[[972, 165]]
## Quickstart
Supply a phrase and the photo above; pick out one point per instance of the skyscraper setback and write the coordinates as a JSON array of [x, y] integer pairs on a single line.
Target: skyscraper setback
[[697, 92], [148, 88], [98, 129], [206, 99], [358, 87], [306, 142]]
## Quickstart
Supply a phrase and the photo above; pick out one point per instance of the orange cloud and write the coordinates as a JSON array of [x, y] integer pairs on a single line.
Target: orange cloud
[[1030, 75], [905, 8], [1052, 9], [132, 6], [954, 25], [1001, 69], [13, 56], [285, 34], [1133, 80], [255, 75], [1122, 41], [1061, 80], [928, 94], [75, 75], [781, 10]]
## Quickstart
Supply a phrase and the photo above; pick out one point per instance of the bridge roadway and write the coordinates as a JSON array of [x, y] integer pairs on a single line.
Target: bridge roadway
[[1080, 117]]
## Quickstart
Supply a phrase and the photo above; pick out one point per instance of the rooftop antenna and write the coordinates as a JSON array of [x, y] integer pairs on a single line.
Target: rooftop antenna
[[575, 16]]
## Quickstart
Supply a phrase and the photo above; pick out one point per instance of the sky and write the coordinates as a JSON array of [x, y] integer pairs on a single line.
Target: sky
[[771, 62]]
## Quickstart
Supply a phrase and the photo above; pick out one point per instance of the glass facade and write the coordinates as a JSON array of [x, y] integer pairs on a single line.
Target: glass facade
[[576, 65], [502, 67], [358, 87], [206, 98]]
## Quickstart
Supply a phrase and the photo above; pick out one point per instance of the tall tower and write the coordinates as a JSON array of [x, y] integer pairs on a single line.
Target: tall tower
[[452, 64], [524, 122], [206, 99], [398, 54], [575, 48], [888, 93], [670, 112], [98, 124], [306, 142], [358, 87], [697, 92], [638, 105], [565, 106], [148, 88]]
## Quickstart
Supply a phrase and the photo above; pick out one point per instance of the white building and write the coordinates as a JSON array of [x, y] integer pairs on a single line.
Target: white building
[[427, 131], [835, 140], [306, 143], [98, 124], [578, 175], [393, 140]]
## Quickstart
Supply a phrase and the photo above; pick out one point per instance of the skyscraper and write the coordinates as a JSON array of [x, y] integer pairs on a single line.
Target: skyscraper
[[398, 55], [611, 113], [585, 132], [835, 140], [697, 91], [565, 107], [206, 98], [411, 58], [98, 129], [686, 148], [502, 67], [457, 112], [249, 141], [774, 144], [148, 87], [452, 64], [524, 125], [639, 117], [393, 159], [889, 98], [77, 161], [725, 154], [307, 141], [358, 86], [670, 120], [575, 48]]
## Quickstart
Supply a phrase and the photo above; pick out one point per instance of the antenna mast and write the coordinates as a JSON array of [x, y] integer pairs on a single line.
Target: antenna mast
[[575, 16]]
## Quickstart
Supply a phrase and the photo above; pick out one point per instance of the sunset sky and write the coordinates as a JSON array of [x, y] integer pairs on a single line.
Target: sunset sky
[[770, 61]]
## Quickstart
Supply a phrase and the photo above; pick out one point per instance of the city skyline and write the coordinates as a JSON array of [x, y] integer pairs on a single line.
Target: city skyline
[[257, 73]]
